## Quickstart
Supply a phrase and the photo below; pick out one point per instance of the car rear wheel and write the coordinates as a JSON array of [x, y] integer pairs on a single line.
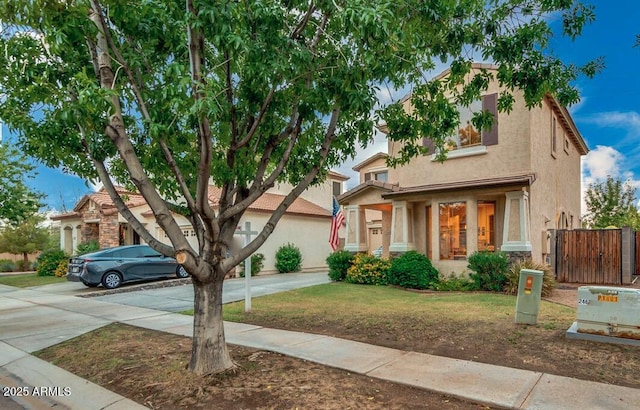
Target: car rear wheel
[[181, 272], [111, 280]]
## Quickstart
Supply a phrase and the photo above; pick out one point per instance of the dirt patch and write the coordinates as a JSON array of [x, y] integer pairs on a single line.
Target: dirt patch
[[149, 368]]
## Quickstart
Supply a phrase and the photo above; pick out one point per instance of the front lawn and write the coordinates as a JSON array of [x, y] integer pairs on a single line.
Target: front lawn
[[29, 279]]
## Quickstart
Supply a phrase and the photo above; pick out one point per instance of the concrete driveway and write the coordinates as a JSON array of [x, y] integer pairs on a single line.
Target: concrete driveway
[[180, 298]]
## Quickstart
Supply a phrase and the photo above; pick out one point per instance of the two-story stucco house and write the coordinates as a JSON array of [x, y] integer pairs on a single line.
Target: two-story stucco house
[[500, 189], [306, 223]]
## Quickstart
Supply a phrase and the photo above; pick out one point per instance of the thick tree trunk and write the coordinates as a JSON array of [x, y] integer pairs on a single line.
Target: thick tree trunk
[[25, 261], [209, 352]]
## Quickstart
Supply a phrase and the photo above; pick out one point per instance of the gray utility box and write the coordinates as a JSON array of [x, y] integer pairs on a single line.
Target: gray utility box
[[609, 311], [529, 294]]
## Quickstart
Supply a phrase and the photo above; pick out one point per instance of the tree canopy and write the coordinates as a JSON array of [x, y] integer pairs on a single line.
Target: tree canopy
[[611, 202], [18, 202], [169, 96], [28, 237]]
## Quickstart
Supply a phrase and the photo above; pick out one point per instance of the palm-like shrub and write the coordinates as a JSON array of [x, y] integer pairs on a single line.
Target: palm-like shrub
[[513, 276]]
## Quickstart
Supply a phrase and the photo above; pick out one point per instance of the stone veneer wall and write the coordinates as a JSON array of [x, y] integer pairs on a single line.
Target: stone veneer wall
[[109, 231]]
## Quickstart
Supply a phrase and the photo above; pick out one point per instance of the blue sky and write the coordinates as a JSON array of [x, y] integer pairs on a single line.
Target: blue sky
[[608, 115]]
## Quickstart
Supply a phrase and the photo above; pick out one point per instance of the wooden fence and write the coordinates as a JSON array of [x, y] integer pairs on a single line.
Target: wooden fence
[[591, 256]]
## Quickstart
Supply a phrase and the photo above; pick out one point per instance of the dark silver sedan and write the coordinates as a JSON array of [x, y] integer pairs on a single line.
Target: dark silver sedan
[[113, 266]]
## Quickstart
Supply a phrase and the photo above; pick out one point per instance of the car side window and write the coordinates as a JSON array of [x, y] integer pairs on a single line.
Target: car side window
[[149, 252], [130, 253]]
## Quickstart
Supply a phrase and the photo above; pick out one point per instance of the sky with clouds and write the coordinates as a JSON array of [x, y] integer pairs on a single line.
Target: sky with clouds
[[608, 115]]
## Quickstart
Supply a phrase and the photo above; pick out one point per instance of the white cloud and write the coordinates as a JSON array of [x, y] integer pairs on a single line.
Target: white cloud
[[629, 119], [601, 162]]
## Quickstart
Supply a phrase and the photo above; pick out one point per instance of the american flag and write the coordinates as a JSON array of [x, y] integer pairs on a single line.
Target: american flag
[[336, 222]]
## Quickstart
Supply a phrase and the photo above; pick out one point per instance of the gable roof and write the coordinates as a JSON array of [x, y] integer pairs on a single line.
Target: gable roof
[[268, 202], [383, 187], [562, 112], [369, 160], [102, 199]]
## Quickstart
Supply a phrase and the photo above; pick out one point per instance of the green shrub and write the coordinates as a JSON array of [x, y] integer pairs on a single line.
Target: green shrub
[[87, 247], [339, 262], [489, 270], [412, 270], [257, 263], [288, 258], [49, 260], [7, 265], [454, 283], [368, 270], [513, 276]]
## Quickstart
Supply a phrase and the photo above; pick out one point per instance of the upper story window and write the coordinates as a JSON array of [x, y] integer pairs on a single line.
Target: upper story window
[[554, 135], [381, 176], [337, 188], [467, 134]]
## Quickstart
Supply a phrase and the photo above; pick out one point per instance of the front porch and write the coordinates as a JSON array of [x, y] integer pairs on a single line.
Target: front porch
[[447, 225]]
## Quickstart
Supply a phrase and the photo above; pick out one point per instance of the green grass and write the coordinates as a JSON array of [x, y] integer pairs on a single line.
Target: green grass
[[29, 279], [348, 303]]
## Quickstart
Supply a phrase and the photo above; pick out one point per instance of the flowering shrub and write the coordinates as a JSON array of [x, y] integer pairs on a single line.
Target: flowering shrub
[[368, 270], [62, 268]]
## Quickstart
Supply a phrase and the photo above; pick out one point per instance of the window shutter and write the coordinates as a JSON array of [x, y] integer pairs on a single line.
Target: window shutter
[[490, 103], [428, 144], [367, 176]]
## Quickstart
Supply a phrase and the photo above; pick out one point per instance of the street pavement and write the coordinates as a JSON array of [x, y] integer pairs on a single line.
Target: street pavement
[[33, 319]]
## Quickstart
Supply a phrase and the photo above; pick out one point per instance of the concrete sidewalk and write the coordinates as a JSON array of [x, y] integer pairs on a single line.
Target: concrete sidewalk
[[31, 320]]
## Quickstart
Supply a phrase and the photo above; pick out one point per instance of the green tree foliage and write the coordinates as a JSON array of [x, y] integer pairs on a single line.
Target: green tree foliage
[[611, 202], [18, 202], [24, 239], [168, 96]]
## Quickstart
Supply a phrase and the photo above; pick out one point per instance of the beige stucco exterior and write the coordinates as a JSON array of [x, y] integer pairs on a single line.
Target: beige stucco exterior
[[519, 187]]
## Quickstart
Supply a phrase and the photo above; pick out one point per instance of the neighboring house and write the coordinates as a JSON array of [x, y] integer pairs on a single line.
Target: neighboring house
[[306, 223], [501, 189]]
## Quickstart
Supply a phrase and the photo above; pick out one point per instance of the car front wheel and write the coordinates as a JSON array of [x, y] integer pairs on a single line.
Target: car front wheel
[[111, 280], [181, 272]]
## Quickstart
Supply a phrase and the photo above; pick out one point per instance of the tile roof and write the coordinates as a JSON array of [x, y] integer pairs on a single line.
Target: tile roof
[[103, 200], [503, 181], [268, 202]]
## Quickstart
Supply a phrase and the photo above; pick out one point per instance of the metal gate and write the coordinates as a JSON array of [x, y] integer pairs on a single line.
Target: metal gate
[[589, 256]]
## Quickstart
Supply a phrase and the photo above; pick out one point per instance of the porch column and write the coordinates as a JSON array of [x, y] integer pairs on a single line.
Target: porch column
[[516, 234], [401, 228], [356, 239]]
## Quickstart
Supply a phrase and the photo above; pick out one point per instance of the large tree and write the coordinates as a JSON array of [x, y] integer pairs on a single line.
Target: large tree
[[18, 202], [169, 97], [611, 202], [26, 238]]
